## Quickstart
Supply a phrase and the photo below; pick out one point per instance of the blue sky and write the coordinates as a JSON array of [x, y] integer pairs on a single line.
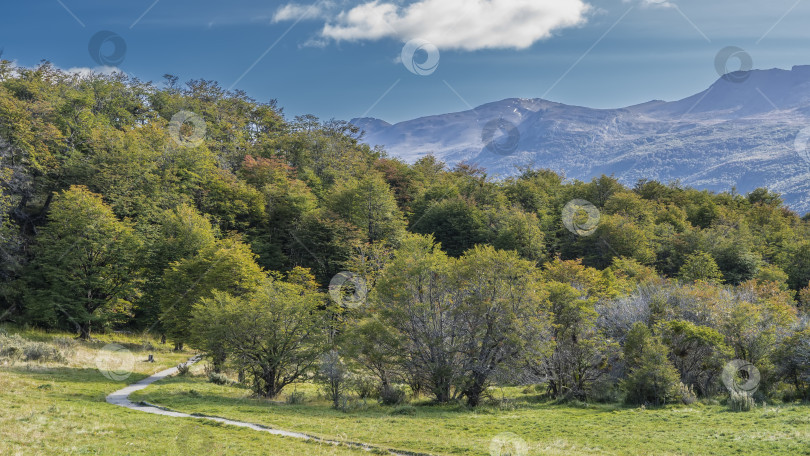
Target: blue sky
[[341, 58]]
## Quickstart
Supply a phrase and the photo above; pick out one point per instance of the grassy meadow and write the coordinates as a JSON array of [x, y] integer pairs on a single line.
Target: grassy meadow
[[58, 407], [545, 427], [50, 408]]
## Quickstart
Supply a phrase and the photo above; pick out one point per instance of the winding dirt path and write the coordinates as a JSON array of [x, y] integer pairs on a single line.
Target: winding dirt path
[[121, 398]]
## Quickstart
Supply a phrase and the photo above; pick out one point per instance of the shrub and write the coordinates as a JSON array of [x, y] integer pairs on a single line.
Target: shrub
[[10, 352], [183, 368], [404, 410], [364, 386], [347, 404], [792, 358], [606, 390], [686, 394], [218, 378], [788, 393], [16, 347], [66, 345], [65, 342], [503, 404], [740, 401], [332, 375], [39, 351], [392, 395], [709, 401], [295, 398]]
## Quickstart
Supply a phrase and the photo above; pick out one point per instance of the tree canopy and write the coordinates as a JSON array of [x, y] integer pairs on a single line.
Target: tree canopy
[[232, 223]]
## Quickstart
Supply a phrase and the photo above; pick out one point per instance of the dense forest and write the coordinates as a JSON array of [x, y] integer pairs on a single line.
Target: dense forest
[[212, 219]]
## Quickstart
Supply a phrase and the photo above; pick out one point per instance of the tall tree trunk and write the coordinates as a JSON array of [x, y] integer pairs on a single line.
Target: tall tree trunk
[[270, 387], [475, 390], [441, 388], [84, 330]]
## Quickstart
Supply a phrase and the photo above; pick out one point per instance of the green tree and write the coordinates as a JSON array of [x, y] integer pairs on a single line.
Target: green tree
[[736, 262], [227, 266], [181, 233], [126, 168], [375, 349], [501, 309], [798, 265], [86, 264], [697, 352], [275, 334], [516, 230], [10, 243], [792, 359], [651, 377], [536, 191], [773, 273], [630, 274], [414, 298], [233, 203], [617, 236], [581, 353], [700, 266], [323, 243], [601, 189], [370, 205], [454, 222], [701, 209]]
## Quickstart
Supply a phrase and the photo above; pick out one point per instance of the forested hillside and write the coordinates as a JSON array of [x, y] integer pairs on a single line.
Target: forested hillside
[[193, 212]]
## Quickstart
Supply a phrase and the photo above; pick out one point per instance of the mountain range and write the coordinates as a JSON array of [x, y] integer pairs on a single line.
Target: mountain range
[[747, 130]]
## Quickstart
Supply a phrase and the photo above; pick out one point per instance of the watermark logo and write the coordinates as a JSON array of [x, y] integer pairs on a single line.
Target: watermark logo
[[348, 289], [500, 136], [420, 57], [722, 59], [740, 376], [107, 48], [801, 142], [187, 129], [508, 444], [115, 362], [580, 217]]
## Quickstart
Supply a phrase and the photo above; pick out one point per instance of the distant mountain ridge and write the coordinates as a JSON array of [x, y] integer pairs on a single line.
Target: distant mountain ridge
[[740, 132]]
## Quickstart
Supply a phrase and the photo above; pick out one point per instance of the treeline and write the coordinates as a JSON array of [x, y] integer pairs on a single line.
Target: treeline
[[226, 227]]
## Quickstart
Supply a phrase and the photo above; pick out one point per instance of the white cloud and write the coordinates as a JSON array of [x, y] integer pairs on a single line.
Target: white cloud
[[451, 24], [315, 43], [87, 71], [295, 12], [655, 3], [80, 71]]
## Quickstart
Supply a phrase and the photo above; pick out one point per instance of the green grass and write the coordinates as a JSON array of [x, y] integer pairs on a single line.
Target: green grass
[[60, 409], [546, 428]]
